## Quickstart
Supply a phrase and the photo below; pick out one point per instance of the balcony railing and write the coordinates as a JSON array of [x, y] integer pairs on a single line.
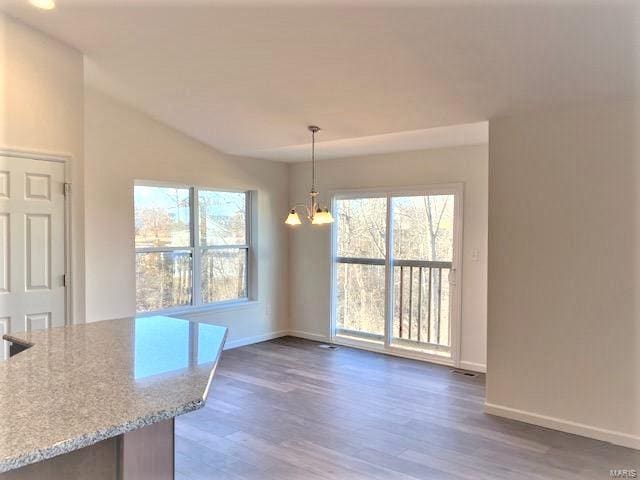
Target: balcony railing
[[421, 290], [420, 315]]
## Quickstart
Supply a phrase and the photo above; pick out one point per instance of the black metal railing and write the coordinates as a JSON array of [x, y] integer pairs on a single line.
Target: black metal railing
[[419, 305], [419, 289]]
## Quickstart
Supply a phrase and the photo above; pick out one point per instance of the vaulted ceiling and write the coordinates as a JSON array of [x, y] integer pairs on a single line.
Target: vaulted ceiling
[[247, 76]]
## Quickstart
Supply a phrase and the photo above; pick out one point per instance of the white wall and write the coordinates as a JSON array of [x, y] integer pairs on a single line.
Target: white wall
[[309, 257], [41, 110], [123, 145], [564, 270]]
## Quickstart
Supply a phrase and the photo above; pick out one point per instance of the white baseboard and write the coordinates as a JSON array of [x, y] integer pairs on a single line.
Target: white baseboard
[[611, 436], [242, 342], [317, 337], [474, 367]]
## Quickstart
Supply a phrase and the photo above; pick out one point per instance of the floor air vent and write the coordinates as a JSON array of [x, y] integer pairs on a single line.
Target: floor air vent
[[326, 346], [466, 374]]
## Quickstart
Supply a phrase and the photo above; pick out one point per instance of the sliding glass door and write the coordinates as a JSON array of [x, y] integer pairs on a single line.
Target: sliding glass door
[[395, 275]]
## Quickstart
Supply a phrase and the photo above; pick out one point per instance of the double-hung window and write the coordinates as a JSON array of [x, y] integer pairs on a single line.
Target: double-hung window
[[192, 247]]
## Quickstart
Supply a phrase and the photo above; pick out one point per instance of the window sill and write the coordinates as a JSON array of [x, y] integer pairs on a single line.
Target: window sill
[[201, 309]]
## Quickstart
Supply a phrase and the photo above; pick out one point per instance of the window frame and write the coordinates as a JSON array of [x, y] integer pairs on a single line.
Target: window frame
[[196, 250]]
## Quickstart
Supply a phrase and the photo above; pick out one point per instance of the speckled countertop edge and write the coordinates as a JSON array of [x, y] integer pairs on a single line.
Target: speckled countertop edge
[[90, 438], [20, 341]]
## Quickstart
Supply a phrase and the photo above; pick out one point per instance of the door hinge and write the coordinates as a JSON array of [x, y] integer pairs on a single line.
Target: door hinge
[[64, 280], [67, 189]]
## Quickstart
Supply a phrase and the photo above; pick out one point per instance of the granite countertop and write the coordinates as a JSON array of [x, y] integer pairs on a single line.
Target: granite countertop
[[80, 384]]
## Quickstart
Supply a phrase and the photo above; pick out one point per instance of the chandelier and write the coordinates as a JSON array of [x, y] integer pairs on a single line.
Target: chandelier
[[315, 214]]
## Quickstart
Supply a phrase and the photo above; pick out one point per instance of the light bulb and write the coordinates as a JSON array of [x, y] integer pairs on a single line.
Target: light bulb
[[293, 218], [328, 216], [43, 4], [322, 217]]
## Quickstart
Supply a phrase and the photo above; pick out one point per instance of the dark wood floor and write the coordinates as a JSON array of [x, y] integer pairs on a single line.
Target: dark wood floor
[[287, 409]]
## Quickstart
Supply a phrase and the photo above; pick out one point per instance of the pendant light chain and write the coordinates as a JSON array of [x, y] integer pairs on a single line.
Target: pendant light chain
[[313, 158]]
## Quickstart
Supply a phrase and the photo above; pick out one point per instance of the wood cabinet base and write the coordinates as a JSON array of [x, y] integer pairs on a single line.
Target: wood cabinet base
[[142, 454]]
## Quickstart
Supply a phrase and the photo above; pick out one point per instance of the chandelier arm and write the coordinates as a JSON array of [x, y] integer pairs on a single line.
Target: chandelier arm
[[306, 207]]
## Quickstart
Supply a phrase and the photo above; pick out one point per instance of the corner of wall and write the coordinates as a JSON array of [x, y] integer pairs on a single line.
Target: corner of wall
[[290, 254]]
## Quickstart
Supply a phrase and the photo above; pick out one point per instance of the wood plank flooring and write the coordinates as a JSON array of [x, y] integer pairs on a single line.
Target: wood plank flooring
[[287, 409]]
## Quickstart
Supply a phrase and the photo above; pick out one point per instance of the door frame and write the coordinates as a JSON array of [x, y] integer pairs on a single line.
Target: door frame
[[66, 160], [456, 189]]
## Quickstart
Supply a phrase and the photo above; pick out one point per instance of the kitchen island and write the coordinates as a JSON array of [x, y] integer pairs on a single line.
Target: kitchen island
[[98, 400]]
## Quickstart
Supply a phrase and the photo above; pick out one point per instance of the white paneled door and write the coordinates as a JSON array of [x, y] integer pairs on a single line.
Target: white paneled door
[[32, 250]]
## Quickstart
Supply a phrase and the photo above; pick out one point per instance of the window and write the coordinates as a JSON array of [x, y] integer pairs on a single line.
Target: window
[[192, 247]]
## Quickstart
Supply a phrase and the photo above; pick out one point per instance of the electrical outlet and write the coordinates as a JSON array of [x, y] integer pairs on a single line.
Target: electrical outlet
[[475, 255]]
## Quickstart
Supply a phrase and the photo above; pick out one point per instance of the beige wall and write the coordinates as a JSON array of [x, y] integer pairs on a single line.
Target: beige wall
[[564, 270], [123, 145], [41, 110], [309, 257]]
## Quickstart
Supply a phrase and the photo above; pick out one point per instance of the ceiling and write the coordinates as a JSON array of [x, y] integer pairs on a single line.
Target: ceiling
[[248, 76]]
